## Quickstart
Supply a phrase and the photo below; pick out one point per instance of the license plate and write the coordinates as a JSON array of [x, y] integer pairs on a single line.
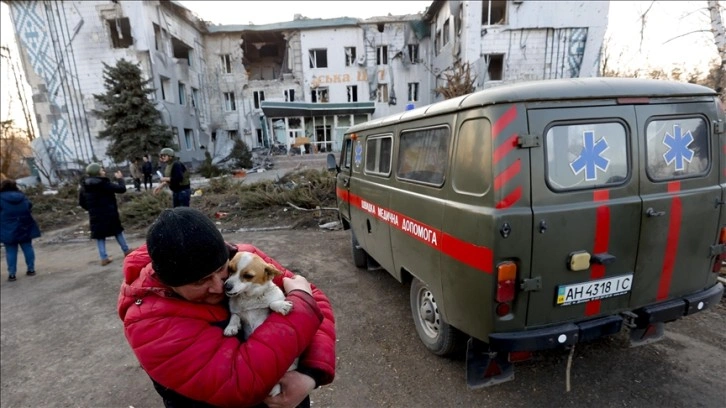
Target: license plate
[[598, 289]]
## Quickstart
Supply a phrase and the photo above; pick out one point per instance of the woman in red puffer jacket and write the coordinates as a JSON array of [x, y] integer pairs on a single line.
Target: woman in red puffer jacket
[[174, 311]]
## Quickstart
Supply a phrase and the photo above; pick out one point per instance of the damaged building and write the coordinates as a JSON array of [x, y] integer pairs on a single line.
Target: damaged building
[[292, 86]]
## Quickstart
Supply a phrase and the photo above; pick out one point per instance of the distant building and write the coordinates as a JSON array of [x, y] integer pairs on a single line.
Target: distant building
[[289, 84]]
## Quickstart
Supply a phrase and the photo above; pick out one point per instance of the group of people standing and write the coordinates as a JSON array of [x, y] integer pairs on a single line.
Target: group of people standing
[[178, 275], [141, 170], [97, 195]]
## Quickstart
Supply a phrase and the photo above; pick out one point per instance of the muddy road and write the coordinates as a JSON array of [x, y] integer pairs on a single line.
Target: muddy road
[[62, 343]]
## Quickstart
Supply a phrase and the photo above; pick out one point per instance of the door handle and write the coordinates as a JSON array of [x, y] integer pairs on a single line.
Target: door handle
[[650, 212], [346, 181]]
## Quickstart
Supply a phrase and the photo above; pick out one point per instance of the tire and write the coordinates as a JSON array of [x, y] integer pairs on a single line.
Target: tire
[[438, 336], [360, 257]]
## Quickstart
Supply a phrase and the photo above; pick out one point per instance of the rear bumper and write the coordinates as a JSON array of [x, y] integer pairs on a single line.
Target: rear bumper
[[571, 333]]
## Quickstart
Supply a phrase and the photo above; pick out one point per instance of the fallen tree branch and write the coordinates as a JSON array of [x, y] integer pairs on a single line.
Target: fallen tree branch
[[311, 209]]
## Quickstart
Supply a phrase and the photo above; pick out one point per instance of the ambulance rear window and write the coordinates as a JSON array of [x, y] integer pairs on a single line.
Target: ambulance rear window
[[677, 148], [586, 155]]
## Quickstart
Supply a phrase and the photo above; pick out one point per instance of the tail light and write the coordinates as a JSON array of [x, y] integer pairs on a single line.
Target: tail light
[[506, 281], [721, 257]]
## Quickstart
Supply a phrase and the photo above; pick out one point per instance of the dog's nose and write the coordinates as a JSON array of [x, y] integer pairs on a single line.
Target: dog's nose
[[228, 286]]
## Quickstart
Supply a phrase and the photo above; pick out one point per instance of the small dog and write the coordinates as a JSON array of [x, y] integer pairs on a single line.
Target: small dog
[[252, 295]]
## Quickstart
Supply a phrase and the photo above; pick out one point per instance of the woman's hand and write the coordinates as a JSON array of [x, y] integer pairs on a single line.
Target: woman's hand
[[297, 282], [295, 387]]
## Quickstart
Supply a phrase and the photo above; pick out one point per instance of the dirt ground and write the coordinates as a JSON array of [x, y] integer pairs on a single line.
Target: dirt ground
[[62, 343]]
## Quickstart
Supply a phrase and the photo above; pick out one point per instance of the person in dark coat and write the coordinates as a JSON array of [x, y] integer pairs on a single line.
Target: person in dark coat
[[147, 169], [17, 227], [97, 195]]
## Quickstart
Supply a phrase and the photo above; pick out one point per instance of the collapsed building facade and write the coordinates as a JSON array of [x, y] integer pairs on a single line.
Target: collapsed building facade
[[293, 86]]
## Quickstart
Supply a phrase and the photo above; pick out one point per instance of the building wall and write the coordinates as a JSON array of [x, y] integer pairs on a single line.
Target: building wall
[[336, 76], [538, 40], [64, 60], [399, 71], [64, 49]]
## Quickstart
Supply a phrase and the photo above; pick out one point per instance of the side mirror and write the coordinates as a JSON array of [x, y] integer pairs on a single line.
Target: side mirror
[[332, 165]]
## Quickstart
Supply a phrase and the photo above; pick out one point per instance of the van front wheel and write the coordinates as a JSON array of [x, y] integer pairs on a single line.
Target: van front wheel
[[360, 257], [438, 336]]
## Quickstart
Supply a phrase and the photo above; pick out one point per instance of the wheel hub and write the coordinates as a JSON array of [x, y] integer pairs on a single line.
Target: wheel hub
[[429, 314]]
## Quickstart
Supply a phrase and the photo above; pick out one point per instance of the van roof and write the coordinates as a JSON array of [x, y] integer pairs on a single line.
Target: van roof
[[549, 90]]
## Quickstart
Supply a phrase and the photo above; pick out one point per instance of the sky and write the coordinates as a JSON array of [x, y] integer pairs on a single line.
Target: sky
[[666, 20]]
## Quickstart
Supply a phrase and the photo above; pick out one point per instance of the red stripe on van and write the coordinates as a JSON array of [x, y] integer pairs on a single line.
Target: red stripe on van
[[504, 121], [506, 147], [342, 193], [602, 242], [510, 199], [479, 257], [671, 250], [502, 178]]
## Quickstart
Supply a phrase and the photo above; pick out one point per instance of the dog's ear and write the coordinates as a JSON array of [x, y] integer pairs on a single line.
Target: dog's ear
[[231, 250], [232, 263], [271, 271]]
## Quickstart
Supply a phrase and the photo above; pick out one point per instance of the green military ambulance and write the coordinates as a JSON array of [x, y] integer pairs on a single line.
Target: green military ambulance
[[542, 214]]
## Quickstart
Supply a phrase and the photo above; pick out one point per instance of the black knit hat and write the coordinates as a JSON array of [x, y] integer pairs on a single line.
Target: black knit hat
[[185, 246]]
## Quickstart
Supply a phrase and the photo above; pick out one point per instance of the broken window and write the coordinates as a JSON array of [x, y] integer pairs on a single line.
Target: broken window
[[195, 97], [350, 57], [382, 55], [413, 53], [226, 60], [120, 31], [165, 88], [352, 93], [232, 134], [229, 102], [413, 91], [319, 58], [494, 12], [289, 95], [157, 37], [182, 94], [181, 51], [382, 94], [258, 97], [446, 33], [319, 95], [495, 66], [189, 138]]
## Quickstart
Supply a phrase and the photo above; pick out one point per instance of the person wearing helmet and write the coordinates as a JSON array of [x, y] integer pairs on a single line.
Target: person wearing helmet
[[97, 195], [176, 176]]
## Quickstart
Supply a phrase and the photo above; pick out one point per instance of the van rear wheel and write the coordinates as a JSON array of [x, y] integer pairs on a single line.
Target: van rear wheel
[[438, 336], [360, 257]]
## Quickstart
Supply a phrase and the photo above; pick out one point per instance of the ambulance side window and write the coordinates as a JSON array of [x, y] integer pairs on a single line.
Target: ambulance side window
[[677, 148], [378, 155], [347, 153], [423, 155], [586, 155], [471, 172]]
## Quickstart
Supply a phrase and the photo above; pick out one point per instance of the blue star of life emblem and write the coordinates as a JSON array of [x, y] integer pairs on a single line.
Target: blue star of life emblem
[[590, 158], [358, 153], [678, 150]]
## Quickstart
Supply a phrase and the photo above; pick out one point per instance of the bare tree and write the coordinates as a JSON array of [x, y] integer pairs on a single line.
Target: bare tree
[[719, 37], [459, 81], [14, 147]]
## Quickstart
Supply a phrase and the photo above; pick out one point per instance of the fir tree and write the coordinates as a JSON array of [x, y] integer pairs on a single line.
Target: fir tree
[[133, 124]]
